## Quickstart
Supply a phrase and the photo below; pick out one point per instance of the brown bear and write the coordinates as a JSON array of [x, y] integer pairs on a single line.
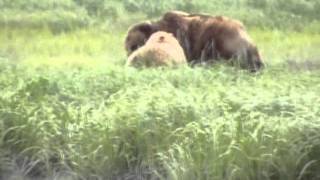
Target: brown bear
[[138, 34], [202, 37], [161, 49]]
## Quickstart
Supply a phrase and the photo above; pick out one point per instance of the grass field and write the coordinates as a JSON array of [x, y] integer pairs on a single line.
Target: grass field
[[70, 109]]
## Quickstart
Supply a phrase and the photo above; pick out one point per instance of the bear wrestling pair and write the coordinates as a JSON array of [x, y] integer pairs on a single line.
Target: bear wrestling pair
[[204, 38]]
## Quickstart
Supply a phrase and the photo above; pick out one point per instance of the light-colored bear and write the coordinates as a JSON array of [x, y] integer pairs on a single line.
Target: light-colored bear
[[161, 49]]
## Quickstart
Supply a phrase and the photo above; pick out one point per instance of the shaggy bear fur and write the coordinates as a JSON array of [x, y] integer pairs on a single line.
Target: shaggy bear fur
[[139, 33], [203, 38], [161, 49]]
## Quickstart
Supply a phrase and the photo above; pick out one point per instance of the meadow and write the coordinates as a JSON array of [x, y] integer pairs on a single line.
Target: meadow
[[70, 109]]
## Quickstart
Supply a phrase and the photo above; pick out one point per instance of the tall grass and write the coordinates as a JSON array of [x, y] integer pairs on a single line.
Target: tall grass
[[69, 109], [169, 124]]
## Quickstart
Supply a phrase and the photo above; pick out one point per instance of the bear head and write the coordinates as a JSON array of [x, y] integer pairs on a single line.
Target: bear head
[[137, 35]]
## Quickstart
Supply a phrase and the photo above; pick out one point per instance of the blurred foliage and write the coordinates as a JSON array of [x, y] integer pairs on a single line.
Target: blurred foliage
[[188, 123], [283, 14], [155, 8]]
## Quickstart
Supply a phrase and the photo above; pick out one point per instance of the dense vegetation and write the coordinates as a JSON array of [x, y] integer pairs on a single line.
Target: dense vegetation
[[69, 14], [69, 109]]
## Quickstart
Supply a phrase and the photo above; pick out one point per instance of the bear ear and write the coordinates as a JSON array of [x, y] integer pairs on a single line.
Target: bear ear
[[145, 27]]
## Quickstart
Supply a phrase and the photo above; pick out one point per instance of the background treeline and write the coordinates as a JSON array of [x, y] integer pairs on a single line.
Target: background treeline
[[69, 14]]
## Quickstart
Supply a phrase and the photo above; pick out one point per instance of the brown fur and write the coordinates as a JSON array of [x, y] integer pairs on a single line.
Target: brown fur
[[161, 49], [202, 38]]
